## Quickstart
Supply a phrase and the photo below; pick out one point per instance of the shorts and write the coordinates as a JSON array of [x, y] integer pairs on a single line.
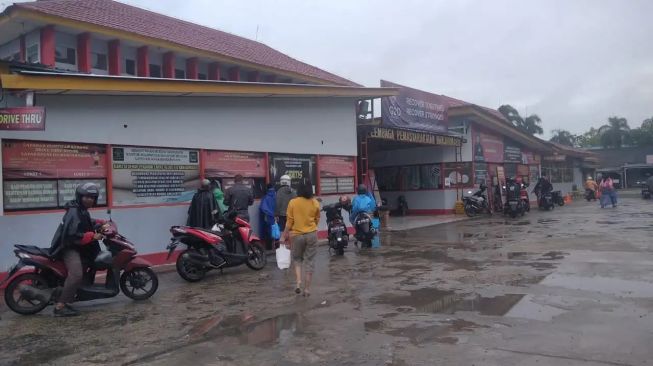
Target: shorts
[[304, 247]]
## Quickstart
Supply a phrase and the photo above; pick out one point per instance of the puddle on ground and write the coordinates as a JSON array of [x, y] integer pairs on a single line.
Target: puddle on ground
[[606, 222], [247, 330], [438, 256], [430, 300], [554, 255], [525, 281], [519, 255], [435, 333]]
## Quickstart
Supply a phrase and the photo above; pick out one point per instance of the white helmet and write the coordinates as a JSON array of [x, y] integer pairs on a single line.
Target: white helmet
[[285, 180]]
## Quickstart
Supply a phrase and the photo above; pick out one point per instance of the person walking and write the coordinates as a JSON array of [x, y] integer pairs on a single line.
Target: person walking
[[608, 192], [203, 207], [284, 194], [267, 210], [303, 216], [239, 197]]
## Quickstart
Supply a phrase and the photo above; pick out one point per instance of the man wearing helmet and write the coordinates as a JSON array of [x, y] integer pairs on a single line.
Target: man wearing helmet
[[74, 240], [363, 202], [284, 194]]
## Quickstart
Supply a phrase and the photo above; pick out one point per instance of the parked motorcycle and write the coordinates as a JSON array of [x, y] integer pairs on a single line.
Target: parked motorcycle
[[557, 198], [590, 195], [477, 202], [523, 196], [232, 244], [336, 228], [513, 206], [31, 290], [646, 192]]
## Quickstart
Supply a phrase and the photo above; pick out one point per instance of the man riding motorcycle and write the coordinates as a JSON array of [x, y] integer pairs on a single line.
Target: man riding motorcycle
[[542, 187], [591, 187], [76, 242], [362, 202]]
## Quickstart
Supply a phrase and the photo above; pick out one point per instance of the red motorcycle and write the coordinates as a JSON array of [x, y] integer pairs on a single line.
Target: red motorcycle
[[37, 279], [232, 244]]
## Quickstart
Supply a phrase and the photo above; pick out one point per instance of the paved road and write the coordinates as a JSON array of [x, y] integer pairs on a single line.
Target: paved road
[[569, 287]]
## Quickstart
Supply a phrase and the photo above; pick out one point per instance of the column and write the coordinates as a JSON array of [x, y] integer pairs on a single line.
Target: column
[[214, 71], [84, 52], [168, 71], [234, 73], [192, 68], [47, 46], [143, 62], [115, 57]]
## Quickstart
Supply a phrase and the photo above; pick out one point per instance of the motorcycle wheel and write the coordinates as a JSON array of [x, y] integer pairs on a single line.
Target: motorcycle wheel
[[13, 289], [340, 250], [513, 214], [189, 271], [561, 203], [139, 283], [256, 259], [469, 211]]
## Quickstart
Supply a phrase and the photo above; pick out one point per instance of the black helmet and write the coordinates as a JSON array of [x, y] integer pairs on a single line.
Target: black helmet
[[362, 189], [87, 189]]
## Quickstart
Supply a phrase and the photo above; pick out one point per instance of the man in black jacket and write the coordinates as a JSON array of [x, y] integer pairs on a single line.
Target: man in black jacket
[[203, 207], [76, 239], [239, 197]]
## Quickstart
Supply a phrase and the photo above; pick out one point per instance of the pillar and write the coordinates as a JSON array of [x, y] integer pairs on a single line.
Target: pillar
[[115, 57], [47, 46], [168, 71], [143, 62], [23, 49], [192, 68], [84, 52], [234, 73], [214, 71]]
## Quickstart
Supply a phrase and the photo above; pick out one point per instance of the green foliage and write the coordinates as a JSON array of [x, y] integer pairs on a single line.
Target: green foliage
[[531, 124], [616, 133], [564, 137]]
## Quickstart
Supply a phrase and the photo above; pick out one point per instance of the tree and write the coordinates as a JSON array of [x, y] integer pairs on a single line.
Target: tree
[[590, 138], [615, 133], [564, 137], [530, 125], [643, 135]]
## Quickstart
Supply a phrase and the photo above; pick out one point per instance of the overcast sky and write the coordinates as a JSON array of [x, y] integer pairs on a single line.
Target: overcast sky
[[572, 62]]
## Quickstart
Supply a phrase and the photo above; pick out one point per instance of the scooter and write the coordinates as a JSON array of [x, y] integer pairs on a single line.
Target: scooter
[[646, 192], [365, 231], [557, 198], [523, 196], [232, 243], [545, 201], [477, 202], [37, 279], [590, 195], [336, 228], [513, 206]]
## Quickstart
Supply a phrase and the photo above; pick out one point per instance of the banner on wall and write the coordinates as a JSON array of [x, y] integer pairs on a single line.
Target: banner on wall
[[529, 158], [298, 167], [148, 175], [228, 164], [30, 194], [337, 166], [22, 119], [31, 159], [67, 189], [414, 109], [512, 154], [488, 148]]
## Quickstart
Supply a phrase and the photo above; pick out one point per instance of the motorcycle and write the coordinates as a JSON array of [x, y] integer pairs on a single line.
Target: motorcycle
[[513, 206], [646, 192], [590, 195], [336, 228], [477, 202], [557, 198], [365, 231], [232, 243], [523, 196], [546, 201], [30, 291]]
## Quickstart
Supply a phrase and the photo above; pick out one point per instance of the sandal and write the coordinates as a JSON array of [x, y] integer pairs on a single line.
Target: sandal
[[298, 289], [307, 293]]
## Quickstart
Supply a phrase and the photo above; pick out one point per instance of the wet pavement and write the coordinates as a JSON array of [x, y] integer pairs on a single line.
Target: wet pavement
[[568, 287]]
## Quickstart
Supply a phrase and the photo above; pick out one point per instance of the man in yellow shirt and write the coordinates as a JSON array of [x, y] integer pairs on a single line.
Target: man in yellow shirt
[[303, 216]]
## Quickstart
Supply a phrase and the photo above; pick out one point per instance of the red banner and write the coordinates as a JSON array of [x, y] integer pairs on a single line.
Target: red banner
[[337, 166], [228, 164], [32, 159], [488, 148], [22, 118]]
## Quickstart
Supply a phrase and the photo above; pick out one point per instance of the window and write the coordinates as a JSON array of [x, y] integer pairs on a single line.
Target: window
[[65, 55], [155, 71], [130, 67], [387, 178], [99, 61], [430, 176], [180, 74], [458, 174], [410, 179], [201, 76], [33, 54]]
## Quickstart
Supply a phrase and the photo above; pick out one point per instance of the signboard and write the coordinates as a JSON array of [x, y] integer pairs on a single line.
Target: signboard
[[512, 154], [413, 137], [26, 194], [228, 164], [488, 148], [481, 173], [22, 119], [337, 166], [31, 159], [555, 158], [501, 175], [146, 175], [67, 189], [298, 167], [414, 109], [529, 158]]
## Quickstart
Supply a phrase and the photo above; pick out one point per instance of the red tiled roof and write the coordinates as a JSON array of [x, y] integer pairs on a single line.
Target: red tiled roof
[[118, 16]]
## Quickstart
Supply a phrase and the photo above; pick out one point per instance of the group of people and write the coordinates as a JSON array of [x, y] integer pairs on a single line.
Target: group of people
[[604, 190]]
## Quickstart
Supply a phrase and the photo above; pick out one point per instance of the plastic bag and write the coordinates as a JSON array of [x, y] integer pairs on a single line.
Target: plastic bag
[[275, 232], [283, 257]]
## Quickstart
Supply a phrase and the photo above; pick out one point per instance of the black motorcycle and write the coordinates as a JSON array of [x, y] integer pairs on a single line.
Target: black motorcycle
[[646, 192], [477, 202], [514, 205], [557, 198], [336, 228], [545, 201], [365, 231], [590, 195]]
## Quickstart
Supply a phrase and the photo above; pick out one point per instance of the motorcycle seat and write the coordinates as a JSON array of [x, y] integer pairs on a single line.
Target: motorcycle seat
[[34, 250]]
